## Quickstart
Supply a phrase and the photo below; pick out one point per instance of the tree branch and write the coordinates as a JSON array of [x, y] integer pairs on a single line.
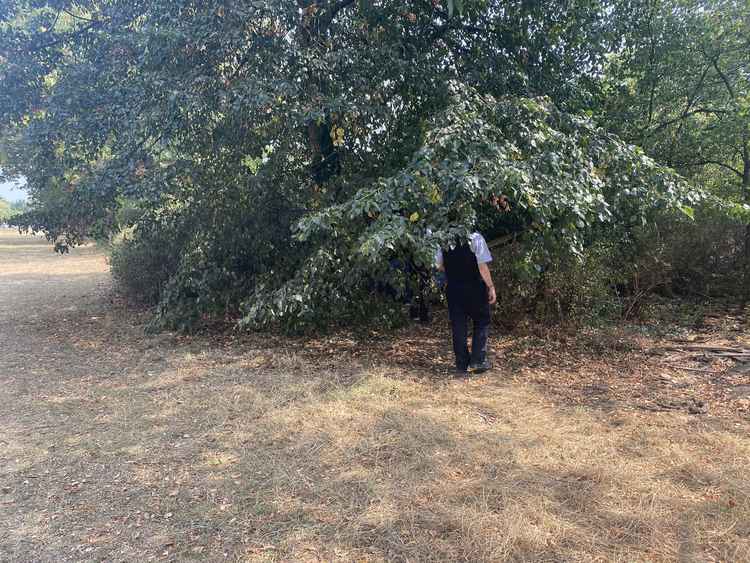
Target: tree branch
[[337, 7], [704, 162], [54, 23], [652, 66], [72, 15], [715, 63], [685, 115], [724, 79], [65, 38]]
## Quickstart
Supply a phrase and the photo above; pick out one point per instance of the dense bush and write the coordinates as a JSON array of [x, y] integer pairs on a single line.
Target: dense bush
[[682, 257], [618, 274], [141, 266], [579, 289], [708, 256], [197, 262]]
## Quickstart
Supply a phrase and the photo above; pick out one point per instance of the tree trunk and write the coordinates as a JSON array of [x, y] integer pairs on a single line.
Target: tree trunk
[[746, 171], [746, 196], [324, 157]]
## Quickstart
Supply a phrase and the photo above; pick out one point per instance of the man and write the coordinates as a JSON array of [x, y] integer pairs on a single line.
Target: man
[[470, 293], [417, 296], [419, 302]]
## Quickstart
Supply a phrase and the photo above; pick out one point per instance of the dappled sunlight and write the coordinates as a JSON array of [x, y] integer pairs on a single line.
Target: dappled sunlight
[[384, 466], [63, 399], [18, 456], [132, 451], [217, 460]]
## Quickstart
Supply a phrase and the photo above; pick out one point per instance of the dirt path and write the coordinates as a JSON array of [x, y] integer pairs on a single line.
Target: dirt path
[[118, 447]]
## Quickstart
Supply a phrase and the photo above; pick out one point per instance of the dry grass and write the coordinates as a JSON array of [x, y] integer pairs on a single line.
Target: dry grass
[[118, 447]]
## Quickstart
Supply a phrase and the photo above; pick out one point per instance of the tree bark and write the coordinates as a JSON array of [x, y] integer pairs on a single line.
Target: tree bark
[[746, 171], [746, 195], [325, 161]]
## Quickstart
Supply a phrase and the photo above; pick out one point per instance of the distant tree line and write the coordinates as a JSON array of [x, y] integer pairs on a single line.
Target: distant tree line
[[9, 210]]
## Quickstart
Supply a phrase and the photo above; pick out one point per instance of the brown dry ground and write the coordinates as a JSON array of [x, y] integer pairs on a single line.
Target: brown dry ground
[[115, 446]]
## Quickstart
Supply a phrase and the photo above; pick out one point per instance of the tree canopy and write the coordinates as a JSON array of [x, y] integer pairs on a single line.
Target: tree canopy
[[290, 151], [680, 88]]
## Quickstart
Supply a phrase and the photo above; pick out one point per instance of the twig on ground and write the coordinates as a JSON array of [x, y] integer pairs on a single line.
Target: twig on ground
[[706, 348], [685, 368]]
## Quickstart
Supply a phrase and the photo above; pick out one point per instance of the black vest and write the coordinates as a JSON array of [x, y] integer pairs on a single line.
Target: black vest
[[461, 265]]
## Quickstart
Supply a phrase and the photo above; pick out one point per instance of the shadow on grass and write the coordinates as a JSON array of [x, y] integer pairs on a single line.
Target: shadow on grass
[[120, 448], [204, 457]]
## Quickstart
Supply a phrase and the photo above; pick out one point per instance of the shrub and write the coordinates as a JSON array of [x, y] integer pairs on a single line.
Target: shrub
[[141, 265], [619, 272], [708, 256], [571, 289]]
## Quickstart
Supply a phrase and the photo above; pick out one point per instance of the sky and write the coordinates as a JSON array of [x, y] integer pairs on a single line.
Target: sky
[[12, 192]]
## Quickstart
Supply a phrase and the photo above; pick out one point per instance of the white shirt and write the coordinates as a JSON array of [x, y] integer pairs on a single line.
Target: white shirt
[[478, 246]]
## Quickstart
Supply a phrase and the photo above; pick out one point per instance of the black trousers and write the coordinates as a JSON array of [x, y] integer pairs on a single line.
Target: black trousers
[[469, 301]]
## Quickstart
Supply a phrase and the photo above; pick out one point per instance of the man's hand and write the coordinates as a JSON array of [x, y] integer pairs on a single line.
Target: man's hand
[[491, 295], [484, 271]]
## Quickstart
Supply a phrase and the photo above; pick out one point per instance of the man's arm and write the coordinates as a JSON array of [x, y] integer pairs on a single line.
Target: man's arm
[[484, 271], [482, 252]]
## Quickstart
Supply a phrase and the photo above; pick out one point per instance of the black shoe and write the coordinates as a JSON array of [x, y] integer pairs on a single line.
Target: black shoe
[[481, 367], [414, 312], [459, 372]]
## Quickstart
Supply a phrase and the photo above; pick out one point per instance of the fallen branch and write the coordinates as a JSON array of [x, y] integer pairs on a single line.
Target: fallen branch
[[743, 358], [685, 368], [707, 348]]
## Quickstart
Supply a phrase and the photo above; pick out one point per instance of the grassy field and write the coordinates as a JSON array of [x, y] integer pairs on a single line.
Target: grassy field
[[577, 447]]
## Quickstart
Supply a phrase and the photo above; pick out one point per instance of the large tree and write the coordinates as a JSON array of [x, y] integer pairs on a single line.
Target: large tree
[[680, 87], [290, 150]]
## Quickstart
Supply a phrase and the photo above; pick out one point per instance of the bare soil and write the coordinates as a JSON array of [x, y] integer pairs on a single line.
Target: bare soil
[[609, 445]]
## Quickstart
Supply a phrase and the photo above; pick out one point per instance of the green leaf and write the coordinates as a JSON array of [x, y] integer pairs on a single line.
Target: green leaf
[[687, 210]]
